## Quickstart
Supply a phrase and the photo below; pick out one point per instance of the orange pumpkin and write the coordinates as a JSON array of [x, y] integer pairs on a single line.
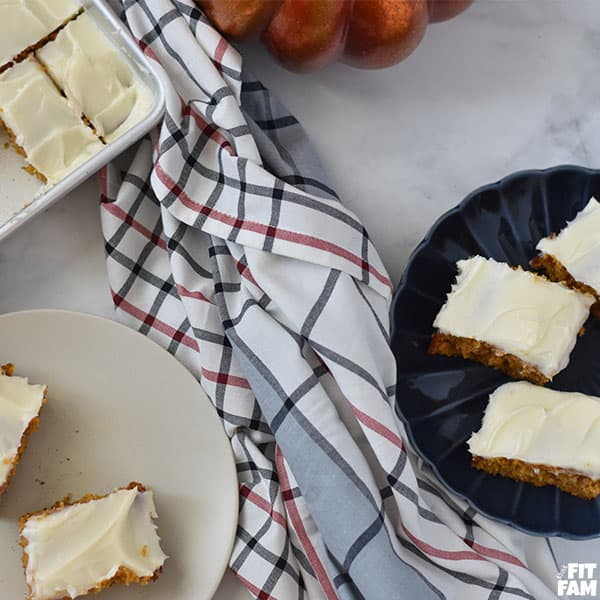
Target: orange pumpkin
[[306, 35]]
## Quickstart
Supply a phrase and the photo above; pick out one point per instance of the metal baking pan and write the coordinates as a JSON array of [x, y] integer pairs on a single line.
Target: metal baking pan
[[21, 195]]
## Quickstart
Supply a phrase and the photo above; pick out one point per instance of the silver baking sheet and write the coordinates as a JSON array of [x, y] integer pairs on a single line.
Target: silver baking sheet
[[22, 195]]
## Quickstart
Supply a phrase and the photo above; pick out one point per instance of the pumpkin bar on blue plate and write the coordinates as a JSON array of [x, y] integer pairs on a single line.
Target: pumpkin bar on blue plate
[[573, 255], [510, 319], [541, 436]]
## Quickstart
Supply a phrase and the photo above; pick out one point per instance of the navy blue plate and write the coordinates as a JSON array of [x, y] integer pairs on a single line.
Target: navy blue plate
[[441, 399]]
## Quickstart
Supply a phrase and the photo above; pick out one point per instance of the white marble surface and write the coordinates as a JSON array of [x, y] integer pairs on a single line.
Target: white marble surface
[[509, 85]]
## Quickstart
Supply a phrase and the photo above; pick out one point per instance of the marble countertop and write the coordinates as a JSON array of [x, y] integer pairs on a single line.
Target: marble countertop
[[507, 86]]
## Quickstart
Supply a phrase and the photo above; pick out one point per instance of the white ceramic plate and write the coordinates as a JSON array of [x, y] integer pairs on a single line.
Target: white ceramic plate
[[120, 409]]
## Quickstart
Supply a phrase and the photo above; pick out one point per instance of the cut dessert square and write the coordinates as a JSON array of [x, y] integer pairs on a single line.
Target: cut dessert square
[[26, 23], [20, 406], [541, 436], [510, 319], [573, 256], [81, 547], [96, 78], [52, 137]]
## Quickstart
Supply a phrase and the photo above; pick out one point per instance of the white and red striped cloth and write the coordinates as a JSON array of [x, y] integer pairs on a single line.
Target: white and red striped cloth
[[225, 245]]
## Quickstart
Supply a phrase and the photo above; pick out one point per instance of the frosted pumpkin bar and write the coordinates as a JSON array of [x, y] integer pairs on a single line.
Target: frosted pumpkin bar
[[96, 78], [541, 436], [510, 319], [20, 406], [573, 256], [24, 24], [53, 139], [76, 548]]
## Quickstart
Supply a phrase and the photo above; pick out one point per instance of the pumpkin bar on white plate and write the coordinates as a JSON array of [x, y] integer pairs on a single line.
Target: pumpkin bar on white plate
[[25, 24], [510, 319], [20, 406], [541, 436], [86, 546], [41, 125], [573, 256], [96, 78]]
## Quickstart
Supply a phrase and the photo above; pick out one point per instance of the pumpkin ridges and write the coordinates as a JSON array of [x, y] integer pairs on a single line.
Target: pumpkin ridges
[[383, 32], [306, 35]]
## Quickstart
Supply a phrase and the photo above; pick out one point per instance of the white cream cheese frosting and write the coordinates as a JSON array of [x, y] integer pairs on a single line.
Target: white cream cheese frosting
[[20, 403], [54, 138], [541, 426], [23, 23], [515, 311], [577, 246], [76, 548], [96, 78]]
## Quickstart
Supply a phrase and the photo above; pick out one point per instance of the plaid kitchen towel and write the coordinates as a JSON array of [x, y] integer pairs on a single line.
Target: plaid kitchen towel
[[226, 245]]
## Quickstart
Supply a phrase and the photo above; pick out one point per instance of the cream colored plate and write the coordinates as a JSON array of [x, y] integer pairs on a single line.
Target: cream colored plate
[[120, 408]]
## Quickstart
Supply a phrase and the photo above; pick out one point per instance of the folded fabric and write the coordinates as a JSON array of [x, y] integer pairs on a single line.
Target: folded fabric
[[226, 245]]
